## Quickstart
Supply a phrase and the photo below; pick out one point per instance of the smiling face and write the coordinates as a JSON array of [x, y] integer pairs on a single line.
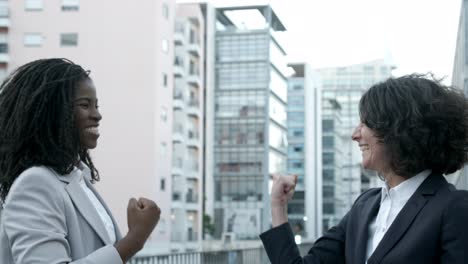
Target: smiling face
[[373, 151], [86, 113]]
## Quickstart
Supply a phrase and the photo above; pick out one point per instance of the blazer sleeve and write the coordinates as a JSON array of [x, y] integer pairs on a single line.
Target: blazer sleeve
[[281, 247], [34, 222], [454, 238]]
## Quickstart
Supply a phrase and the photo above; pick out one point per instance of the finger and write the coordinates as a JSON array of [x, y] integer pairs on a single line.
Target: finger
[[291, 191], [132, 202], [295, 178], [132, 206], [141, 205], [290, 194]]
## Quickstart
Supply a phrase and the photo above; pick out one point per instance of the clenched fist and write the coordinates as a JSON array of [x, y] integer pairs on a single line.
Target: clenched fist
[[281, 192], [142, 216], [282, 189]]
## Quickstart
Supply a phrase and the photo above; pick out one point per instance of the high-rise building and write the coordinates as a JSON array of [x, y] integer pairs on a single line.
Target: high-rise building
[[345, 85], [4, 32], [333, 158], [129, 49], [460, 79], [188, 128], [304, 125], [248, 125]]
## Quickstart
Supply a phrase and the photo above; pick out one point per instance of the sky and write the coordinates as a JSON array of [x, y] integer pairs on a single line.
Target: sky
[[416, 35]]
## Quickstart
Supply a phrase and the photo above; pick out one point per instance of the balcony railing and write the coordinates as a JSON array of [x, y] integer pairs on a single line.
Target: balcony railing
[[194, 103], [178, 162], [255, 255], [191, 198], [192, 134]]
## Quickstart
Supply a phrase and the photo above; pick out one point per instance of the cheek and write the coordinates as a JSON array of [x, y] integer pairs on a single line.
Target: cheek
[[79, 118]]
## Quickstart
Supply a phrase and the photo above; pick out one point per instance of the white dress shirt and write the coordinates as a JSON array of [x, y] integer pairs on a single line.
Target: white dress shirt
[[106, 219], [391, 202]]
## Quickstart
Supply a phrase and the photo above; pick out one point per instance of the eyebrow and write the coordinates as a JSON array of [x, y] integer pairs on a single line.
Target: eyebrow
[[84, 98]]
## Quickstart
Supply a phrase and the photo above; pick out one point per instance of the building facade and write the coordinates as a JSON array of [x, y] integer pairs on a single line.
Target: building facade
[[304, 150], [249, 118], [333, 161], [460, 79], [188, 128]]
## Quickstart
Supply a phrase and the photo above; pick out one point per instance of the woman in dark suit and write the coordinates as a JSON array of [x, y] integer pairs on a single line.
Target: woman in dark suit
[[413, 131]]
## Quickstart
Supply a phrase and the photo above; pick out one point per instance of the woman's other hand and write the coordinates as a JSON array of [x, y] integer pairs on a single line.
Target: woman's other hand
[[142, 216], [281, 192]]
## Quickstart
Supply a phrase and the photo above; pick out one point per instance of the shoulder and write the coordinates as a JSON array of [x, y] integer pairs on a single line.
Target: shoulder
[[458, 199], [368, 194], [35, 175], [38, 179]]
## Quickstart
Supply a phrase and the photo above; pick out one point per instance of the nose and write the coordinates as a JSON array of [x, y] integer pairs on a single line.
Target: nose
[[356, 132], [96, 115]]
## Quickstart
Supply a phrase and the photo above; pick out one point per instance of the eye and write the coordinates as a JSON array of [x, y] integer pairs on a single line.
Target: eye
[[84, 105]]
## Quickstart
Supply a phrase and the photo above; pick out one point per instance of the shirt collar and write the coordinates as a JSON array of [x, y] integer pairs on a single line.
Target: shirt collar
[[84, 170], [404, 190]]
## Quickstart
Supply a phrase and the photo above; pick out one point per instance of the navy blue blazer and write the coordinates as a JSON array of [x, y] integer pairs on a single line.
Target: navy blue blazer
[[431, 228]]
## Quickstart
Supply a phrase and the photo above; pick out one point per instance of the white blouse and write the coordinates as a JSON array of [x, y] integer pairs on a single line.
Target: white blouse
[[106, 219]]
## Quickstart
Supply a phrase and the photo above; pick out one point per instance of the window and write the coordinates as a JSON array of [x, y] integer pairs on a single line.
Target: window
[[328, 174], [163, 150], [328, 125], [3, 47], [70, 5], [33, 5], [164, 114], [163, 184], [328, 158], [164, 79], [32, 39], [68, 39], [328, 142], [165, 45], [165, 11], [297, 87], [298, 149], [328, 208]]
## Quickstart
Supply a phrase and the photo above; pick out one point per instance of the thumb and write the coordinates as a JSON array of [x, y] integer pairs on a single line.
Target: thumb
[[274, 177]]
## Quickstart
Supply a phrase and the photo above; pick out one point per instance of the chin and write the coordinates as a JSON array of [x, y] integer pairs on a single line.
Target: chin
[[90, 145]]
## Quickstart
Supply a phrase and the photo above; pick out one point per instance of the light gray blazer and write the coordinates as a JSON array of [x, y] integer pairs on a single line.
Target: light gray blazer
[[48, 219]]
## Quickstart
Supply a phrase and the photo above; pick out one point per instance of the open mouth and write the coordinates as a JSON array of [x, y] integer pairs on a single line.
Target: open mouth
[[92, 130]]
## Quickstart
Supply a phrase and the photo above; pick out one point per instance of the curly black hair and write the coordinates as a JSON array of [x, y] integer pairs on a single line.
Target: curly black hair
[[422, 123], [37, 122]]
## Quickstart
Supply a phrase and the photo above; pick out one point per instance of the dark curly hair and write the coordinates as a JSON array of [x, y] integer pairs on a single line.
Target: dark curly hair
[[37, 122], [422, 123]]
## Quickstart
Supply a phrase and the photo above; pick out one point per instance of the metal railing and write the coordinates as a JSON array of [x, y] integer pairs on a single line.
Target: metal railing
[[255, 255]]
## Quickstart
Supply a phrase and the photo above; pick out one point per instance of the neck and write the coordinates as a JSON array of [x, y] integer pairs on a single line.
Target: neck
[[392, 179]]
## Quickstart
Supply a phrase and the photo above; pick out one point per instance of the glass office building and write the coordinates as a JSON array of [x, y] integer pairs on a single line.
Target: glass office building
[[250, 99]]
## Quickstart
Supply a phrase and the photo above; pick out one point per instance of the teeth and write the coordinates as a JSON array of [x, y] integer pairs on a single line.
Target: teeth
[[364, 148], [92, 130]]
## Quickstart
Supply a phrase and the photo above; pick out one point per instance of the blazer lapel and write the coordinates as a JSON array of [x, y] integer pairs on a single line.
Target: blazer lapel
[[369, 211], [406, 216], [84, 205]]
